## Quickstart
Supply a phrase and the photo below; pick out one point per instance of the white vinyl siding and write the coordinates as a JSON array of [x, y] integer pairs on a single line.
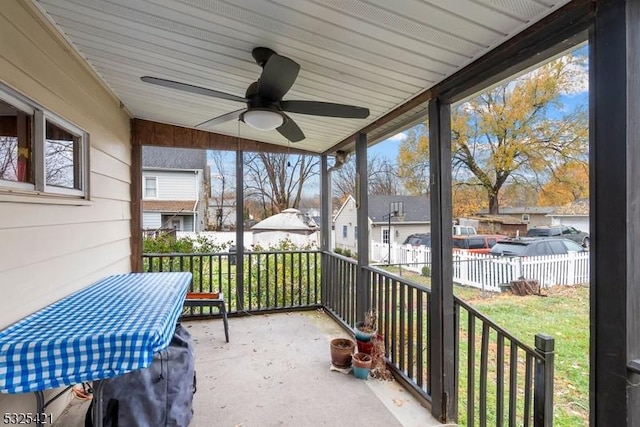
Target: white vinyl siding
[[174, 185], [347, 217], [54, 246], [151, 220]]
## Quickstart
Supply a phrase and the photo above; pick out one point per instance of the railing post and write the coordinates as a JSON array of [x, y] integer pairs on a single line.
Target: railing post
[[543, 382]]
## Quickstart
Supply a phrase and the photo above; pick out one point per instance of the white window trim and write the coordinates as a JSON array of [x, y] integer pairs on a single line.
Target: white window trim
[[14, 191], [144, 187]]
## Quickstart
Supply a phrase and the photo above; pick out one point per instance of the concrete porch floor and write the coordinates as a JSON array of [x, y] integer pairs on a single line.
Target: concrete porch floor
[[275, 372]]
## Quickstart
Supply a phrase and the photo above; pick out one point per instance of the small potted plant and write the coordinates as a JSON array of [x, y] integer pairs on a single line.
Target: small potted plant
[[341, 351], [367, 329], [361, 365]]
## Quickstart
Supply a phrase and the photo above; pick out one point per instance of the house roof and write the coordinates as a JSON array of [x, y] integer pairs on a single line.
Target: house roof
[[578, 207], [414, 208], [287, 220], [519, 210], [173, 158], [173, 206]]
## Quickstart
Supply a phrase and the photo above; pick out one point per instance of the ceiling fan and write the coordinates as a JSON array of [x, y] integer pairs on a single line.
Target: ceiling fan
[[266, 110]]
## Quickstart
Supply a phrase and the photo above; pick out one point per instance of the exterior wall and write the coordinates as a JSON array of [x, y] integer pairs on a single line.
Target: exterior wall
[[151, 220], [534, 219], [175, 185], [347, 217], [399, 231], [53, 247], [579, 222]]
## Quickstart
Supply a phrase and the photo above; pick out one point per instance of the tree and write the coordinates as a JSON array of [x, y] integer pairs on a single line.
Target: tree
[[223, 188], [570, 182], [413, 161], [381, 174], [507, 132], [277, 180], [516, 132]]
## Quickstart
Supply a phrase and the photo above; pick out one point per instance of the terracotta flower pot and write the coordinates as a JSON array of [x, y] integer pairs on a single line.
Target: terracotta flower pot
[[361, 365], [365, 346], [341, 351]]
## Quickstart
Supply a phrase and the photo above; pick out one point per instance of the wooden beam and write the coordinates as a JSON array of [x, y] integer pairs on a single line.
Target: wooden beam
[[441, 312], [614, 152], [136, 202], [163, 135], [363, 292]]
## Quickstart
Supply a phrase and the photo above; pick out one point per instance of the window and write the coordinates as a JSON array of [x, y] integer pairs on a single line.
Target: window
[[40, 152], [385, 236], [151, 187], [345, 231], [525, 218], [355, 232]]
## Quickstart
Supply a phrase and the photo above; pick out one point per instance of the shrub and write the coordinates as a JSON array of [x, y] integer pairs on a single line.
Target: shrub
[[337, 250], [426, 271], [346, 252]]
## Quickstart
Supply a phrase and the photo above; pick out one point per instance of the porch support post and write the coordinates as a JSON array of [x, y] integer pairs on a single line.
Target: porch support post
[[614, 66], [441, 338], [363, 298], [136, 205], [239, 230], [325, 223]]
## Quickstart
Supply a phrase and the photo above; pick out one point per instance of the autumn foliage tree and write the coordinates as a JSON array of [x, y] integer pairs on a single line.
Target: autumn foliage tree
[[569, 182], [413, 161], [517, 133], [507, 132]]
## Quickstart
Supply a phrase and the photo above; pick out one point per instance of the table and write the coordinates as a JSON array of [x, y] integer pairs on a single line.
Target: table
[[110, 328]]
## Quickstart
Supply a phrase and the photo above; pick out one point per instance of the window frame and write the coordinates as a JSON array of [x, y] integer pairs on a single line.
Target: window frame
[[345, 231], [144, 187], [37, 185]]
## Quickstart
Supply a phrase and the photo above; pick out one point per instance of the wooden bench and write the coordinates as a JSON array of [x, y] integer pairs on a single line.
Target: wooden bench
[[209, 299]]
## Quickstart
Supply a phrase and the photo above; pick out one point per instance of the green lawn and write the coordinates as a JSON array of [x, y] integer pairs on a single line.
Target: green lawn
[[564, 314]]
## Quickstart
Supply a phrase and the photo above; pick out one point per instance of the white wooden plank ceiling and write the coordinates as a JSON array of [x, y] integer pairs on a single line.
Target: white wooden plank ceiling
[[371, 53]]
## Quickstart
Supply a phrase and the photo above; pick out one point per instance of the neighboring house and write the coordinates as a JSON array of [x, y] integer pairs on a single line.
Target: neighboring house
[[574, 214], [533, 216], [414, 216], [174, 188]]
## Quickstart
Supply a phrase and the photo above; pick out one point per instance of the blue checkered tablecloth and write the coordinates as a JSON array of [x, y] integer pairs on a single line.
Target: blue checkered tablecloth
[[107, 329]]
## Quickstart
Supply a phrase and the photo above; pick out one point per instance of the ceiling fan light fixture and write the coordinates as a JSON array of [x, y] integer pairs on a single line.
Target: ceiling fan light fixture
[[263, 119]]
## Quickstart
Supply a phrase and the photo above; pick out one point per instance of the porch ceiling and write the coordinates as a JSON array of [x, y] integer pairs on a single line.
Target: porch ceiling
[[359, 52]]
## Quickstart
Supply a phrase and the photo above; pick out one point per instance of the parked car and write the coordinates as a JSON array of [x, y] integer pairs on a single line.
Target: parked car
[[418, 239], [570, 233], [478, 243], [532, 246]]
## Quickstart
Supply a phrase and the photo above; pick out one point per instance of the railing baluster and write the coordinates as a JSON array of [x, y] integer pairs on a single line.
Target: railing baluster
[[420, 347], [527, 390], [471, 368], [500, 382], [401, 323], [513, 384], [410, 334], [484, 361]]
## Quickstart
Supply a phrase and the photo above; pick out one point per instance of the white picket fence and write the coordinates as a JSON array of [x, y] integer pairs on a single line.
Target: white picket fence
[[488, 272]]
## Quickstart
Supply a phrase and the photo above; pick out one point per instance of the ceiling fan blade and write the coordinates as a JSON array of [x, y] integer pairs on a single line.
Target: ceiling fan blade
[[290, 130], [278, 75], [326, 109], [234, 115], [191, 88]]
